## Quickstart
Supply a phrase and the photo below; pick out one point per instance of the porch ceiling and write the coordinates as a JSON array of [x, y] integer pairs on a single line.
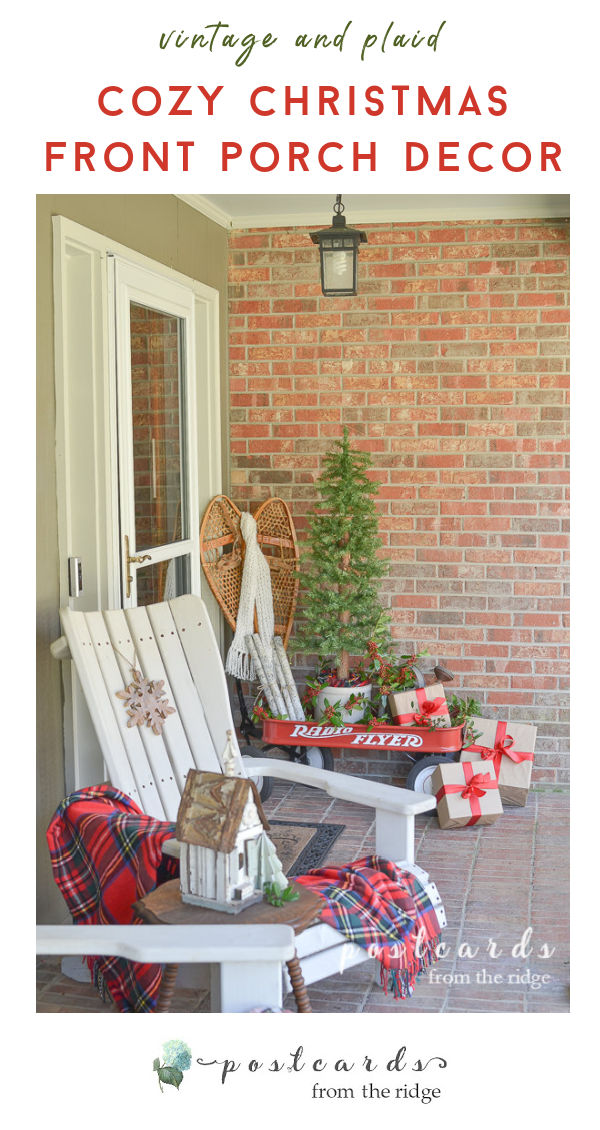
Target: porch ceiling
[[273, 210]]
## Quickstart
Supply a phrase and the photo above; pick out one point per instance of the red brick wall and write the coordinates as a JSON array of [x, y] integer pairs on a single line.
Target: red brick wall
[[450, 367]]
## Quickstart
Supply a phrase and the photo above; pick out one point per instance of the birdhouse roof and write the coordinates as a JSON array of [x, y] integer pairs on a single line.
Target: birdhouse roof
[[212, 807]]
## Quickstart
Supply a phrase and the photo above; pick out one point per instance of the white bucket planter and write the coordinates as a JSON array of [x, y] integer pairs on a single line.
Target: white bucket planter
[[335, 695]]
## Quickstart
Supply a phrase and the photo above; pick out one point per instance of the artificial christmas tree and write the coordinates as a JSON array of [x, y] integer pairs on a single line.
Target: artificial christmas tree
[[340, 602]]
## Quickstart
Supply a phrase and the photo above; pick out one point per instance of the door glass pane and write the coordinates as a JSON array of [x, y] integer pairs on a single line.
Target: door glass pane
[[157, 380], [163, 580]]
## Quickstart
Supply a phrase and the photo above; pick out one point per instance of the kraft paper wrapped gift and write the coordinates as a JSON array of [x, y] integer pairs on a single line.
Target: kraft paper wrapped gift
[[466, 793], [509, 747], [420, 706]]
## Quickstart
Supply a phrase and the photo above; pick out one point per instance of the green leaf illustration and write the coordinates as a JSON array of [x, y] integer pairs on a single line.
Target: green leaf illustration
[[170, 1075], [156, 1065]]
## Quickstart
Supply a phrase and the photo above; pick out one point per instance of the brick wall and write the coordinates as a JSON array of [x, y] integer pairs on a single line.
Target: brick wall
[[450, 367]]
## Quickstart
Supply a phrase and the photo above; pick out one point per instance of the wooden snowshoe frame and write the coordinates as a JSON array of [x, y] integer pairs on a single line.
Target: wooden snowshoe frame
[[222, 556]]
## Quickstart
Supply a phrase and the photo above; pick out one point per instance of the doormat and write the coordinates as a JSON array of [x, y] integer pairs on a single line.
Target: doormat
[[302, 845]]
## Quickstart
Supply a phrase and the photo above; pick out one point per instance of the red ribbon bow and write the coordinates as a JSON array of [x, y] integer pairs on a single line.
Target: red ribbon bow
[[502, 747], [432, 705], [428, 707], [476, 785]]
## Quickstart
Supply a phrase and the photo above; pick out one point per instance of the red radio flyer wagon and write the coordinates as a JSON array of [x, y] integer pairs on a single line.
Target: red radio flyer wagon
[[425, 747]]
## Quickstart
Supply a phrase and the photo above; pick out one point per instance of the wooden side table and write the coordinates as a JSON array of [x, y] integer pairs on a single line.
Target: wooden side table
[[164, 905]]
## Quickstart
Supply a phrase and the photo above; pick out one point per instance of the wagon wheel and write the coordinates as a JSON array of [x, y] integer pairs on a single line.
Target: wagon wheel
[[263, 784], [316, 756], [419, 776], [320, 757]]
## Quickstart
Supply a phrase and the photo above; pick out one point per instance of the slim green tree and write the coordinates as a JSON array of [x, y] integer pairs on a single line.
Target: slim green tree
[[341, 599]]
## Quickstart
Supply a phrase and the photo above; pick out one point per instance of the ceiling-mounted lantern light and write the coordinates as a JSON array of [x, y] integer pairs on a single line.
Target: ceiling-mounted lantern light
[[338, 247]]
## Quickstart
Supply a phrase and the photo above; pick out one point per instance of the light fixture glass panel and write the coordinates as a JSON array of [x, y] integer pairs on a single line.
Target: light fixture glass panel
[[338, 269]]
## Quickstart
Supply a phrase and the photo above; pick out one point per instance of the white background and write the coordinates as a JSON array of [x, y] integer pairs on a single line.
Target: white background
[[526, 1069]]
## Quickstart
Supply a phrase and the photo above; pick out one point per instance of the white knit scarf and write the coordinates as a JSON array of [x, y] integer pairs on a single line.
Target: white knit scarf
[[255, 593]]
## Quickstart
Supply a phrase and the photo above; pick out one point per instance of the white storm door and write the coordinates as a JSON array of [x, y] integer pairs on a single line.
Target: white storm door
[[158, 509]]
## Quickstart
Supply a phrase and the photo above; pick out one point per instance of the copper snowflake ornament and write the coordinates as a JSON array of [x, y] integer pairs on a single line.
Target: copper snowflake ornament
[[145, 702]]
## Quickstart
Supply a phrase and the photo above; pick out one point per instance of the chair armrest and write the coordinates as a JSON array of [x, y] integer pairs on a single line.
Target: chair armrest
[[172, 944], [60, 648], [341, 785]]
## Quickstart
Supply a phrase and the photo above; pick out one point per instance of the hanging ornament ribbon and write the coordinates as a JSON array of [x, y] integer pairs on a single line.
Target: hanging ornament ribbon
[[476, 785], [503, 747], [145, 702]]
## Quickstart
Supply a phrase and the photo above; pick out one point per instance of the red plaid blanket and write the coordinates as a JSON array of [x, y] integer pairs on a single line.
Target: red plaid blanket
[[106, 854], [384, 909]]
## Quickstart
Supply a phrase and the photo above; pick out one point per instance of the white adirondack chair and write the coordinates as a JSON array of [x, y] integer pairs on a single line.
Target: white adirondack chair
[[251, 954], [174, 641]]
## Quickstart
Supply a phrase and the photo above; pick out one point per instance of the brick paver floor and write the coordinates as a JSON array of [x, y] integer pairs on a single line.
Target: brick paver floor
[[503, 887]]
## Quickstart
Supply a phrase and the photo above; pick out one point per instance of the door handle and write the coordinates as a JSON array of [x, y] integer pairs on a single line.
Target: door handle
[[132, 561]]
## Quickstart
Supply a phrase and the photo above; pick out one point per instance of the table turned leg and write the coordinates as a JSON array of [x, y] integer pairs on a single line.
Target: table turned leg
[[300, 993], [167, 985]]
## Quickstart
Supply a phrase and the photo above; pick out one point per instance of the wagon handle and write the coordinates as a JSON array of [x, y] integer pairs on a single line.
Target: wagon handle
[[419, 676]]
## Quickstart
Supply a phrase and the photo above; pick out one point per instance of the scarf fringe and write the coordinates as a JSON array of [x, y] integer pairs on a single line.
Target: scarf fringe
[[240, 664], [401, 981]]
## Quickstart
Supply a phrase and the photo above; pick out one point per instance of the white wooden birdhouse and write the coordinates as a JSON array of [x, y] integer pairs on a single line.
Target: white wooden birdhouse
[[226, 856]]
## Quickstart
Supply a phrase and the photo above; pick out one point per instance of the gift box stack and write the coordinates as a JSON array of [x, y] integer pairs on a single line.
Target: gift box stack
[[509, 748], [493, 771]]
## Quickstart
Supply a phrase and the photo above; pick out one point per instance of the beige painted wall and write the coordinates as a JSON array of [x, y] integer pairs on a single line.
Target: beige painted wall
[[169, 231]]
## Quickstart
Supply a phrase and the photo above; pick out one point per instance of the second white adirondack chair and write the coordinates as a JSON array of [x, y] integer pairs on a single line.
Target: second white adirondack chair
[[174, 641]]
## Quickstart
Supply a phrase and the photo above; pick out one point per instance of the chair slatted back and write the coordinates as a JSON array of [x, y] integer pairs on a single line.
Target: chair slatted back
[[173, 641]]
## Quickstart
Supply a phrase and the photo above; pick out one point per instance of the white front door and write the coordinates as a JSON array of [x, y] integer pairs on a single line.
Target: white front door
[[138, 424], [157, 428]]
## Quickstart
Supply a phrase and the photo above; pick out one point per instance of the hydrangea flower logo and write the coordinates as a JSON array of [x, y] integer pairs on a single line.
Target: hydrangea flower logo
[[177, 1058]]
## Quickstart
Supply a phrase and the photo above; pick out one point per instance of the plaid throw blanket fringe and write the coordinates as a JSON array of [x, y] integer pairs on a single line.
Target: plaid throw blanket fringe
[[105, 854], [384, 909]]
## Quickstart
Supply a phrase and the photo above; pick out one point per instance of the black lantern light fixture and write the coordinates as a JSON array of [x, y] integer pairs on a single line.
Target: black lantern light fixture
[[338, 247]]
